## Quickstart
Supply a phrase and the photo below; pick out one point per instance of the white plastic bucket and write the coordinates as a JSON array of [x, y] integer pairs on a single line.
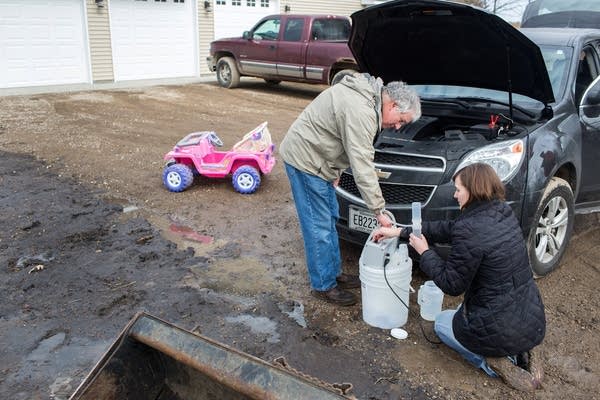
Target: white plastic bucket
[[380, 307]]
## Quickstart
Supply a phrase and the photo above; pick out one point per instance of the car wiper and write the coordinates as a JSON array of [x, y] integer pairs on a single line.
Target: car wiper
[[502, 103]]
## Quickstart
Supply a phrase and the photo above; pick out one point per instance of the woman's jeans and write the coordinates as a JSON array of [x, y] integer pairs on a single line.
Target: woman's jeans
[[318, 212], [443, 328]]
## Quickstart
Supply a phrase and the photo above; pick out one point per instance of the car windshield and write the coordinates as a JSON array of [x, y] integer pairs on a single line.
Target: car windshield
[[557, 60]]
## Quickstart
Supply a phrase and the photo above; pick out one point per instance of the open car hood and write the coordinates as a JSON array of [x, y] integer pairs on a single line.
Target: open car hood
[[445, 43]]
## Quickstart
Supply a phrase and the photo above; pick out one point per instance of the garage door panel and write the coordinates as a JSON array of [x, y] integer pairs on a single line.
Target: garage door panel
[[153, 39], [42, 43], [232, 20]]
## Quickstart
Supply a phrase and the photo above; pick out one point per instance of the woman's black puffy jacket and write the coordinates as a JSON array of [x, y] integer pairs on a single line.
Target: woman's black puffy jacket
[[502, 312]]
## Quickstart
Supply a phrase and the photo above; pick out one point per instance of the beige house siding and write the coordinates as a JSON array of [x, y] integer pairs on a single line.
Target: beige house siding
[[100, 43], [205, 34]]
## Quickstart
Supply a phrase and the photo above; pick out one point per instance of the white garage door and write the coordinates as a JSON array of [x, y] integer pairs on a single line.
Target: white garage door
[[153, 39], [233, 17], [42, 43]]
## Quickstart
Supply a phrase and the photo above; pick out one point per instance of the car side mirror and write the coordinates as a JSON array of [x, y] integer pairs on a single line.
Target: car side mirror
[[591, 97], [247, 35], [589, 110]]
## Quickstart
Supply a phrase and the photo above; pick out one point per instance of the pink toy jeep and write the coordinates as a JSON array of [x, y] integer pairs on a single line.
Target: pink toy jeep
[[195, 154]]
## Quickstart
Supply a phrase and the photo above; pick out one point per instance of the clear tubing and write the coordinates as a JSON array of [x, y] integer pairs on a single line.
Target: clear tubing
[[416, 218]]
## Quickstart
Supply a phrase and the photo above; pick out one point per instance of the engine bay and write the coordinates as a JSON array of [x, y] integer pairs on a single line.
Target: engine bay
[[449, 137]]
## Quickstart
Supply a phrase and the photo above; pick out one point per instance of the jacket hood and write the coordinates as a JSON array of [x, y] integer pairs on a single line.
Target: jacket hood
[[444, 43], [368, 86]]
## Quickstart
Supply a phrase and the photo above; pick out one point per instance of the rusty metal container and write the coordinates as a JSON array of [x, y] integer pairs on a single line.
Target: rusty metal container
[[155, 360]]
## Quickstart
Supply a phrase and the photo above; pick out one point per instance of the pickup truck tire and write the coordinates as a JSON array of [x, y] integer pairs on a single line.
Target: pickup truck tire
[[228, 75], [340, 75], [177, 177], [553, 226]]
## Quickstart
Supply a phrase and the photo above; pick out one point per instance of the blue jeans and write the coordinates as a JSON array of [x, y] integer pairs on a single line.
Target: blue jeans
[[318, 212], [443, 328]]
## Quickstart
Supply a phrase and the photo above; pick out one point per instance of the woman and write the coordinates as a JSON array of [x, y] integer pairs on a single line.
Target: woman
[[502, 313]]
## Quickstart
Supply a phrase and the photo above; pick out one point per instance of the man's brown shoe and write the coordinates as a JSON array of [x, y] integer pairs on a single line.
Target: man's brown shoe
[[347, 281], [335, 296], [513, 376]]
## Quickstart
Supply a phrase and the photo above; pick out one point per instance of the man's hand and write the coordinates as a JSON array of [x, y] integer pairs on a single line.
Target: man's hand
[[386, 233], [384, 220]]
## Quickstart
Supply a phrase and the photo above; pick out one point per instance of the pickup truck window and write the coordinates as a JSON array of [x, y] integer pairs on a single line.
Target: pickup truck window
[[330, 29], [267, 30], [293, 30]]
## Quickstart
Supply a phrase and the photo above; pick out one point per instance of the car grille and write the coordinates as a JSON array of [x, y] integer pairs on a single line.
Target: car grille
[[394, 194], [408, 161]]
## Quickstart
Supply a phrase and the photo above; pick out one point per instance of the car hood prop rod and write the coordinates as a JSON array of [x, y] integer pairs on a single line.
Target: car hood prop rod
[[510, 89]]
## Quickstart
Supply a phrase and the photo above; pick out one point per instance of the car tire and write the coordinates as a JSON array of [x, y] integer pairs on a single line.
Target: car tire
[[246, 179], [340, 75], [228, 75], [177, 177], [553, 226]]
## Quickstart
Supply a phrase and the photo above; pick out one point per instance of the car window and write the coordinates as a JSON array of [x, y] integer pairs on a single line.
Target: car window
[[267, 30], [293, 29], [330, 29], [587, 71], [557, 60]]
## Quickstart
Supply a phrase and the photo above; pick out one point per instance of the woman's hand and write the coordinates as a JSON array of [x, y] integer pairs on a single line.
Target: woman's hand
[[386, 233], [419, 243]]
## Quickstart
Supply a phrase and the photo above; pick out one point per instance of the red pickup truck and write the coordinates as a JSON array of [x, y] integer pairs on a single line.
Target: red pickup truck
[[286, 47]]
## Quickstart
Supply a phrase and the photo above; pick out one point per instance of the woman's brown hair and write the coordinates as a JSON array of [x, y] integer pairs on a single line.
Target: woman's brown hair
[[481, 181]]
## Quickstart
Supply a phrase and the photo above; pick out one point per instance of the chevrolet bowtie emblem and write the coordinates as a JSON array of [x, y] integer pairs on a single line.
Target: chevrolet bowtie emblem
[[382, 174]]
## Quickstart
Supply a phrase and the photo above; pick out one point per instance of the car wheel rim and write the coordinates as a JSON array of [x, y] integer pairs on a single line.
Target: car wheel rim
[[174, 179], [225, 73], [551, 230], [245, 181]]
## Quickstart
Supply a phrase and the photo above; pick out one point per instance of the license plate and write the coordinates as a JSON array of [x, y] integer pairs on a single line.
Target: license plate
[[361, 220]]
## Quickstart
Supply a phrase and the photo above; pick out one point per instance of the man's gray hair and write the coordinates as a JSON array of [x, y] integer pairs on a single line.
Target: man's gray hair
[[405, 97]]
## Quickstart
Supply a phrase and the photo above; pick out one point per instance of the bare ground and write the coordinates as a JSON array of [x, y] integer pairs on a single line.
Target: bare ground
[[81, 195]]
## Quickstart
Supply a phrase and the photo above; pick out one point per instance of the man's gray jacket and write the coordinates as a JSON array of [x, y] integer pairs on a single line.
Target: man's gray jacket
[[336, 131]]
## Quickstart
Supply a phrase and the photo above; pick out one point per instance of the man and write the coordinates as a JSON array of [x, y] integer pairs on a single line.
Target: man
[[334, 132]]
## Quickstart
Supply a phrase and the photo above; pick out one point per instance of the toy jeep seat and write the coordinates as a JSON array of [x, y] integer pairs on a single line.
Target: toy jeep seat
[[257, 140]]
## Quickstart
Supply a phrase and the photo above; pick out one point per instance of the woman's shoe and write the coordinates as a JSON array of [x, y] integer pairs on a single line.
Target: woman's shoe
[[535, 365], [513, 376]]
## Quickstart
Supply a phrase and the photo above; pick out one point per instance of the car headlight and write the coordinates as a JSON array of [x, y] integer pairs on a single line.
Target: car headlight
[[504, 157]]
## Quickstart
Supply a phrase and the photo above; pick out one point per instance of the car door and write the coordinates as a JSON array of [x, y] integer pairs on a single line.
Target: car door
[[589, 69], [258, 55], [291, 52]]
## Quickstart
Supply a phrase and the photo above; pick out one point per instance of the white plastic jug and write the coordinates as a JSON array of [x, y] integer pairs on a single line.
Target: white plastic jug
[[430, 298]]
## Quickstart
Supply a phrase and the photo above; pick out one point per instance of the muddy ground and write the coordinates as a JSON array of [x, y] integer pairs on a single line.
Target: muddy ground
[[81, 195]]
